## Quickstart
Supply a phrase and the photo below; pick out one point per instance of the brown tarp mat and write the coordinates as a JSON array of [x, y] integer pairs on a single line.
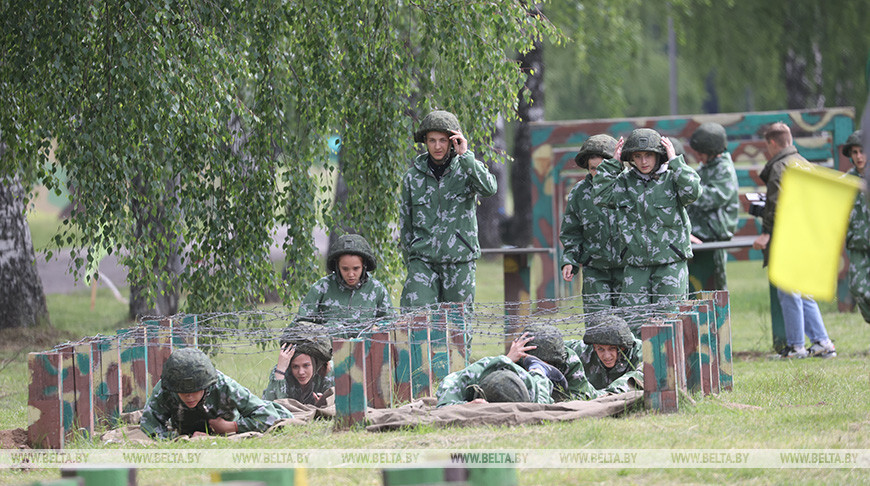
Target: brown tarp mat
[[423, 411]]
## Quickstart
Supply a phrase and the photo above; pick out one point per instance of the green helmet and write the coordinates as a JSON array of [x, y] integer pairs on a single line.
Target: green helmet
[[709, 138], [188, 370], [853, 140], [440, 121], [612, 330], [597, 145], [351, 245], [503, 386], [311, 339], [549, 342], [644, 140]]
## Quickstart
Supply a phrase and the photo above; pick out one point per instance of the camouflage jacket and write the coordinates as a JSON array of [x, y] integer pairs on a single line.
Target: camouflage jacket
[[771, 174], [714, 213], [455, 386], [579, 387], [626, 374], [166, 416], [650, 210], [439, 217], [289, 387], [858, 234], [330, 301], [589, 233]]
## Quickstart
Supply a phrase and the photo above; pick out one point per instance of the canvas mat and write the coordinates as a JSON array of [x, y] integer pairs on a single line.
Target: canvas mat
[[423, 412]]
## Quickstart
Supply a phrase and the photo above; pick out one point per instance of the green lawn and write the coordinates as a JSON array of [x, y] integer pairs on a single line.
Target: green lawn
[[809, 403]]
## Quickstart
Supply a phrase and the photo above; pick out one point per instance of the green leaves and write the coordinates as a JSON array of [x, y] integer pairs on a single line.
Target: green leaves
[[190, 132]]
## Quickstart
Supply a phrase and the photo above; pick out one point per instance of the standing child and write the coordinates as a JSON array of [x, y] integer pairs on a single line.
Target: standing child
[[858, 234], [589, 234], [714, 213], [650, 200]]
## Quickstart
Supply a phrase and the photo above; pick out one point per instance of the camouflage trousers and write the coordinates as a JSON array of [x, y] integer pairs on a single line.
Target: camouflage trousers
[[429, 283], [859, 280], [601, 287], [657, 284]]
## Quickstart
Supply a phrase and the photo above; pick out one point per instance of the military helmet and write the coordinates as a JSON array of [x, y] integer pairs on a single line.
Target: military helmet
[[612, 330], [602, 145], [549, 342], [188, 370], [709, 138], [503, 386], [309, 338], [853, 140], [439, 120], [644, 140], [350, 245]]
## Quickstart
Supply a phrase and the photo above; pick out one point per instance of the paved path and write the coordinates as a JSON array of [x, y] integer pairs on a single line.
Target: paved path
[[56, 278]]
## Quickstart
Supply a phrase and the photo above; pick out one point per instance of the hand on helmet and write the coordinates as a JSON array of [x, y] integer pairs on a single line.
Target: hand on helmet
[[460, 144], [669, 148], [617, 152], [519, 347]]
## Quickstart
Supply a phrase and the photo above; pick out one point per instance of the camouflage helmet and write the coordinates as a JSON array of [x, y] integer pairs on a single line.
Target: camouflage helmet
[[309, 338], [602, 145], [503, 386], [612, 330], [351, 245], [440, 121], [853, 140], [644, 140], [709, 138], [188, 370], [549, 342]]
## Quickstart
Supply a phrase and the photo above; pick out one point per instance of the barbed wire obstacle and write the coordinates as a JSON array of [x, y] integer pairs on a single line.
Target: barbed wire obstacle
[[388, 361]]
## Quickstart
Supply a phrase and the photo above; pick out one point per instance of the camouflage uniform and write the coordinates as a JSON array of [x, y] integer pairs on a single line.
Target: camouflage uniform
[[457, 387], [858, 246], [166, 416], [312, 340], [714, 213], [439, 226], [626, 374], [330, 301], [589, 236], [550, 348], [654, 226]]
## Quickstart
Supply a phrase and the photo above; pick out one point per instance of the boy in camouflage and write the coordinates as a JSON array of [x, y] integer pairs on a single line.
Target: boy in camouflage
[[439, 219], [858, 234], [650, 200], [612, 357], [194, 398], [302, 373], [589, 234], [714, 213], [348, 296]]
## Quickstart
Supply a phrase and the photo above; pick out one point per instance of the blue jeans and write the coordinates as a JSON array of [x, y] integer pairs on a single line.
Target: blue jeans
[[801, 315]]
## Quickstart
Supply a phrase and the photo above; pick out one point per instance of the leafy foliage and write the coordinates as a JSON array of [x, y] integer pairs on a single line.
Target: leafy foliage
[[201, 126]]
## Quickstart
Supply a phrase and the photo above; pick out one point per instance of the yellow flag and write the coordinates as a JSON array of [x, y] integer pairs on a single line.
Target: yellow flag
[[809, 229]]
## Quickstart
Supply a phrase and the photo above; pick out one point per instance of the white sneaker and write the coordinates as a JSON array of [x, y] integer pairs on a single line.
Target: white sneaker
[[794, 352], [823, 349]]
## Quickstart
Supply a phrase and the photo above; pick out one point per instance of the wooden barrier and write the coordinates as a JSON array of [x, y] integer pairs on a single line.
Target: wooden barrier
[[77, 387], [659, 367], [388, 369]]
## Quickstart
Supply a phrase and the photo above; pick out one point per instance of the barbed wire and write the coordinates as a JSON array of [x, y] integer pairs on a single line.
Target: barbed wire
[[481, 324]]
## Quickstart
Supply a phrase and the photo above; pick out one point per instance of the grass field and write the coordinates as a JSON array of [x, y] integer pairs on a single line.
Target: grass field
[[803, 404]]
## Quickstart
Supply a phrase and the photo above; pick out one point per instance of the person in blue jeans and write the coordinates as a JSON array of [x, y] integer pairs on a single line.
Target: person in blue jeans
[[799, 313]]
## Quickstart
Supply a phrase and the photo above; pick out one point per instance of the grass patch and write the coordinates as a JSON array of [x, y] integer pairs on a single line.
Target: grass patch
[[799, 404]]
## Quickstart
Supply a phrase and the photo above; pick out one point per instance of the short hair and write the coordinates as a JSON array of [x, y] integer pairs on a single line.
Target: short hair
[[780, 133]]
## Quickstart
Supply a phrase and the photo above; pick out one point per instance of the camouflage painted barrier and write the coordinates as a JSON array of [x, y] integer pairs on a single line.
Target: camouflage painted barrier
[[689, 351], [387, 369], [78, 386], [819, 135]]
